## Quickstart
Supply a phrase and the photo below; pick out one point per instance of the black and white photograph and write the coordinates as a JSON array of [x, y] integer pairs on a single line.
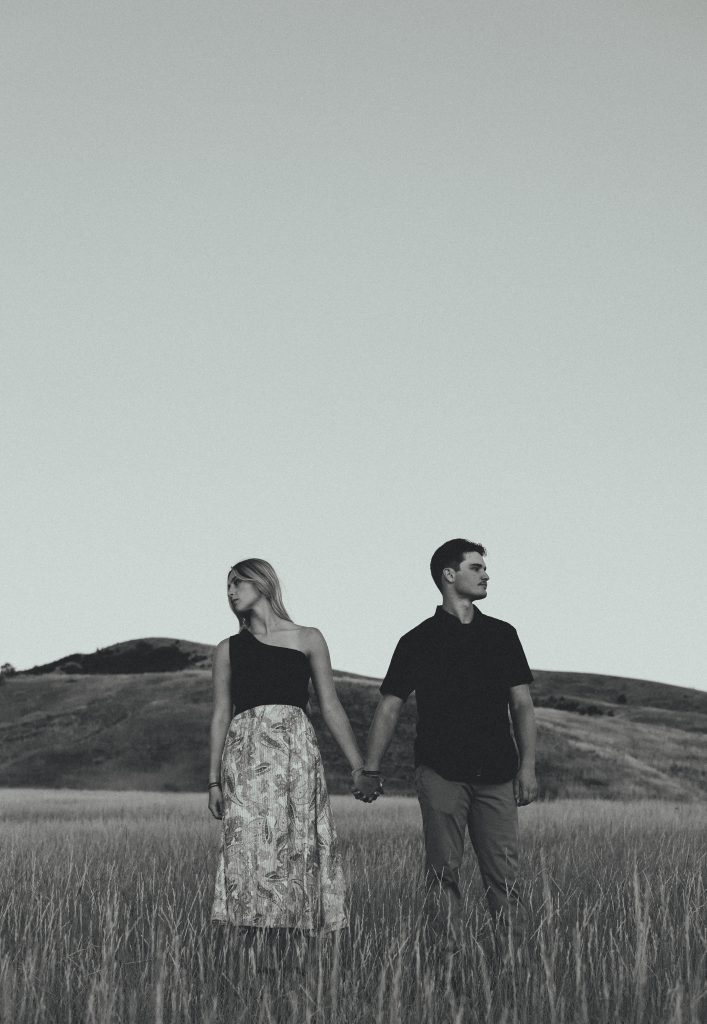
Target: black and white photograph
[[352, 448]]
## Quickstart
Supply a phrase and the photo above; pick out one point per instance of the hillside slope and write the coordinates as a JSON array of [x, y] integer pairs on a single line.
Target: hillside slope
[[598, 735]]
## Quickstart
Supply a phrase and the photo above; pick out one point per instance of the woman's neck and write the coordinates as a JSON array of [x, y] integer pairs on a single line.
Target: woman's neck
[[263, 619]]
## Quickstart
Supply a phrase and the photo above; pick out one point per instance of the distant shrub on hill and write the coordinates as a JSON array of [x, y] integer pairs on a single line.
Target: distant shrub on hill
[[563, 703]]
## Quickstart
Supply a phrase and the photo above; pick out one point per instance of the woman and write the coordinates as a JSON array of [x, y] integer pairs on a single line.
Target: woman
[[279, 865]]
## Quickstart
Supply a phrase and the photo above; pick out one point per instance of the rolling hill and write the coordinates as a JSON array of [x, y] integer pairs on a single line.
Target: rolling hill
[[154, 654], [136, 716]]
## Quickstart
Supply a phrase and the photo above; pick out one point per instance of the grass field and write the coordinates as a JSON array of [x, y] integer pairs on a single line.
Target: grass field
[[105, 900]]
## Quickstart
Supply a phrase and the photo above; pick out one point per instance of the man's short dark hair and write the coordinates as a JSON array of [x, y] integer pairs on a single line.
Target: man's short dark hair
[[451, 555]]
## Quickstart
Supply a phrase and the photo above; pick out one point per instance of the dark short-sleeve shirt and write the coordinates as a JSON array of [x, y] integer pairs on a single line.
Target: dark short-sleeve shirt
[[461, 675]]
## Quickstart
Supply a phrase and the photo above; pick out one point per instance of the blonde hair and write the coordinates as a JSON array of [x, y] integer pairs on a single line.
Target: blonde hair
[[264, 578]]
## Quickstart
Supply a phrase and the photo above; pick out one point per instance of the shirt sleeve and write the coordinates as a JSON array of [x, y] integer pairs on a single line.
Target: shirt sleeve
[[400, 678], [516, 669]]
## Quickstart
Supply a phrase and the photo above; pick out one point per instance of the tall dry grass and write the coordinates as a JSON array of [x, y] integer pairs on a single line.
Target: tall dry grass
[[104, 917]]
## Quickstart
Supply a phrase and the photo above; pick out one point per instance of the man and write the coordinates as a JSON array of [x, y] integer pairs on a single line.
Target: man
[[467, 670]]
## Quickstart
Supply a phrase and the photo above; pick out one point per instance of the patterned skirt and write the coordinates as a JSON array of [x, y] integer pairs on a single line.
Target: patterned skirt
[[279, 866]]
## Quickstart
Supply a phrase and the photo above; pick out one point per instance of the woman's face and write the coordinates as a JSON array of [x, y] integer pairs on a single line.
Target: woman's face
[[242, 594]]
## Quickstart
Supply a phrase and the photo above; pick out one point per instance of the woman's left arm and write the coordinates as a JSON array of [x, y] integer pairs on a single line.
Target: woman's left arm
[[333, 713]]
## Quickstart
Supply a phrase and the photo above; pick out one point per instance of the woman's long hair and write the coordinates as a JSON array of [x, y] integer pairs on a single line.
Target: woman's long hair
[[264, 578]]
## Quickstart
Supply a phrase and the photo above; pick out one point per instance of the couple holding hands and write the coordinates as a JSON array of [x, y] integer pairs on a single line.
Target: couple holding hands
[[279, 866]]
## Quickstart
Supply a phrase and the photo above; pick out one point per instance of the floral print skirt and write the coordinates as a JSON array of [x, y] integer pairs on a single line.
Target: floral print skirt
[[279, 865]]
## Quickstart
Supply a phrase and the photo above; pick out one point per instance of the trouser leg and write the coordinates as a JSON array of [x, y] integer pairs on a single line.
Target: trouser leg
[[445, 809], [493, 829]]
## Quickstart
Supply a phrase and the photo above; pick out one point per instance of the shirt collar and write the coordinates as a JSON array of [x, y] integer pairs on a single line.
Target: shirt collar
[[451, 624]]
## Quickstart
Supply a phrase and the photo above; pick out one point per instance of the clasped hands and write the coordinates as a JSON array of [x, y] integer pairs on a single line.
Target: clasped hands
[[367, 785]]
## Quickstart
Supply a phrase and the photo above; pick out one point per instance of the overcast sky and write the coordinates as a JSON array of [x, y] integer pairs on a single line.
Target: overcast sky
[[329, 283]]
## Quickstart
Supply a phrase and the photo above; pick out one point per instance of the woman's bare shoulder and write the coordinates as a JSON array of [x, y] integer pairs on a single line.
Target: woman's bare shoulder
[[221, 650], [311, 638], [296, 627]]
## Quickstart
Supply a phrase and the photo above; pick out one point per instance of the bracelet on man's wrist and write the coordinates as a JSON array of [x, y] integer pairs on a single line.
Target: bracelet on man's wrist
[[372, 774], [212, 785]]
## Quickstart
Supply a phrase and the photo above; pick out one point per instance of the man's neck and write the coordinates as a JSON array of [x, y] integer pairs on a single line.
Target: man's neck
[[461, 608]]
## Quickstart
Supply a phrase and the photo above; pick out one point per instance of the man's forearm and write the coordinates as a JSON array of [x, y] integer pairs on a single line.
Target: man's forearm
[[525, 731]]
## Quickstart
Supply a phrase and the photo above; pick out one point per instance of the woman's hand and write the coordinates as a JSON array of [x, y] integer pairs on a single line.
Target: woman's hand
[[216, 802], [366, 786]]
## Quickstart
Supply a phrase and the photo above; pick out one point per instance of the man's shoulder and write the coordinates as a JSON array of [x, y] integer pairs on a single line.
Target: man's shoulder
[[499, 626], [422, 631]]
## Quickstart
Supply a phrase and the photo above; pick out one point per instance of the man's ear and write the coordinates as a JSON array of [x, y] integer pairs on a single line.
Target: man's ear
[[449, 575]]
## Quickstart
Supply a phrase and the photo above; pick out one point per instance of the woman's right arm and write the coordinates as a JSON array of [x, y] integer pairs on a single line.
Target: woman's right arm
[[220, 720]]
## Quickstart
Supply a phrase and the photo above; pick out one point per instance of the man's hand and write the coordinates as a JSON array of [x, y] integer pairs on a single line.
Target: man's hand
[[367, 787], [525, 787]]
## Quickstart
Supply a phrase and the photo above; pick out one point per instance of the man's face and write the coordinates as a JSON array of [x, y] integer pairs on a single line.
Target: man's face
[[471, 578]]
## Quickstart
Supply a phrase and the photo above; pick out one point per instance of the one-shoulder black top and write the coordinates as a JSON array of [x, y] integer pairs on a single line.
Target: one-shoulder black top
[[264, 674]]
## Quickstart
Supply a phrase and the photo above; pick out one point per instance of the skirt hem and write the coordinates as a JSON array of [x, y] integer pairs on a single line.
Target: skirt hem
[[322, 929]]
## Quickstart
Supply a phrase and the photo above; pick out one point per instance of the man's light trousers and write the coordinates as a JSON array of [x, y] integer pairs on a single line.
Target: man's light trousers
[[489, 812]]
